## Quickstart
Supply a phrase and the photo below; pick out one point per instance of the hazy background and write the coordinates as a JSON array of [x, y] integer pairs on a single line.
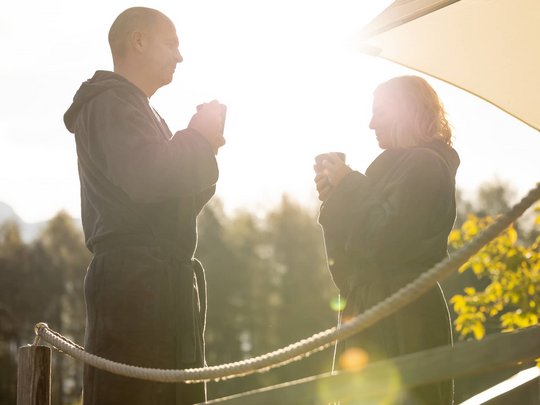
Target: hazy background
[[289, 71], [295, 85]]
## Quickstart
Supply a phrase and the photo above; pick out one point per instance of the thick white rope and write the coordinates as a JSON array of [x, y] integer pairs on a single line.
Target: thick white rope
[[305, 347]]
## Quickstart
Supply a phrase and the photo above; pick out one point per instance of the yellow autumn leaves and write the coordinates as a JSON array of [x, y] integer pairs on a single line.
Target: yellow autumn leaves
[[508, 270]]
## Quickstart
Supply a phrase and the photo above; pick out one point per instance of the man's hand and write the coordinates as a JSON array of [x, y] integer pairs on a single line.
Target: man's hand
[[209, 121]]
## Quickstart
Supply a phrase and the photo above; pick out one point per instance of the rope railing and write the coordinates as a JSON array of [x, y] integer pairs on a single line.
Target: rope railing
[[312, 344]]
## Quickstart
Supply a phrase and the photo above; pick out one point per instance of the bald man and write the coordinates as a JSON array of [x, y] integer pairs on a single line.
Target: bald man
[[141, 190]]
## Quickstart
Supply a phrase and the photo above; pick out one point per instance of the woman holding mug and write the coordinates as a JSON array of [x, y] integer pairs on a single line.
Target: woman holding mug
[[382, 229]]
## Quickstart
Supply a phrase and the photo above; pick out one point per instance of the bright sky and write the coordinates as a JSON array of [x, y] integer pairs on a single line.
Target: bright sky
[[289, 71]]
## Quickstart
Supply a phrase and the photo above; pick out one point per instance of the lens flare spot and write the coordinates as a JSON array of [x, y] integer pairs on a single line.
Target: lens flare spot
[[381, 385], [353, 359], [346, 319], [338, 304]]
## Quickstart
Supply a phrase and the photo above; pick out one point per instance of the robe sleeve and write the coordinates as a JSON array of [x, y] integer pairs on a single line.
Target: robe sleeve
[[335, 219], [137, 158], [406, 221], [395, 222]]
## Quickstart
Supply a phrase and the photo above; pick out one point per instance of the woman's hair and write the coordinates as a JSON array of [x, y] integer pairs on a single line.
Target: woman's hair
[[418, 113]]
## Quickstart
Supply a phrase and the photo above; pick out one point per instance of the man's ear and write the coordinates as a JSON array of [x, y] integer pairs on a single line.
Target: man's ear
[[137, 41]]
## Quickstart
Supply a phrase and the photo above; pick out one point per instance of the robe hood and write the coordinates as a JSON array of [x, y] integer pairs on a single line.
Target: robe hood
[[100, 82], [448, 153]]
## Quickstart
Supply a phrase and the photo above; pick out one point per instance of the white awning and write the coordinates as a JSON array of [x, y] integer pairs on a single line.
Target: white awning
[[490, 48]]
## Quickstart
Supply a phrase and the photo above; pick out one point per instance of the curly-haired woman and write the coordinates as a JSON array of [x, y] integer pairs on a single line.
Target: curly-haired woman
[[385, 227]]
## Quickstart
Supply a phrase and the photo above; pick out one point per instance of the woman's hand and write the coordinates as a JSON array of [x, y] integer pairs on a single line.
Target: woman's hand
[[329, 174], [335, 169], [323, 186]]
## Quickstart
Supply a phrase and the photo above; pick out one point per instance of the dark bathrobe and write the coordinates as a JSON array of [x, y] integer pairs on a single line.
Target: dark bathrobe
[[381, 231], [141, 191]]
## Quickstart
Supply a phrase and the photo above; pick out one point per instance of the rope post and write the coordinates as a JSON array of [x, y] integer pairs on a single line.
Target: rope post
[[34, 375]]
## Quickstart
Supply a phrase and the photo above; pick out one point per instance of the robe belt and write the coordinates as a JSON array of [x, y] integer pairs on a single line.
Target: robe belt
[[117, 241], [187, 291]]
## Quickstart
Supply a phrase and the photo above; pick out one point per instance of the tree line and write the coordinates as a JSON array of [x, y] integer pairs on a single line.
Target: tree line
[[268, 286]]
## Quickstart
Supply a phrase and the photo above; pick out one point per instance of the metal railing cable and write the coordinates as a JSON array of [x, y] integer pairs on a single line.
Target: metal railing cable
[[316, 342]]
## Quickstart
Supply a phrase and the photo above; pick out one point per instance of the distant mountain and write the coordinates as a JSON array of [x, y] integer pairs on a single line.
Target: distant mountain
[[29, 231], [7, 213]]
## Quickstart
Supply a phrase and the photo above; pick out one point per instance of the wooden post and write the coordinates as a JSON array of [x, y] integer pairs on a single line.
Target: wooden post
[[34, 376]]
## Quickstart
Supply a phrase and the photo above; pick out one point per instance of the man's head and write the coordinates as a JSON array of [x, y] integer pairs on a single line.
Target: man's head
[[144, 47]]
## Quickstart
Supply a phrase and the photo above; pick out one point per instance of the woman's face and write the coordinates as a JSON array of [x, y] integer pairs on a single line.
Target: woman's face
[[383, 121]]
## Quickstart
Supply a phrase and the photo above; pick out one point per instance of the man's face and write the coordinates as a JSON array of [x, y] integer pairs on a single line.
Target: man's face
[[161, 53]]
